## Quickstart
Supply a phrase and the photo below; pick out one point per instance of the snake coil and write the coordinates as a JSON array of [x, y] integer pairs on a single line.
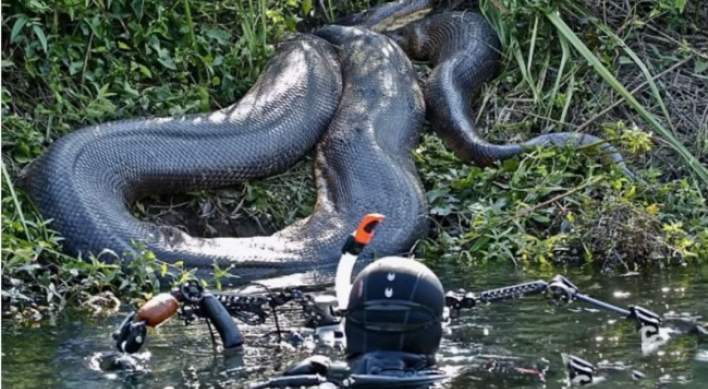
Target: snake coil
[[346, 92]]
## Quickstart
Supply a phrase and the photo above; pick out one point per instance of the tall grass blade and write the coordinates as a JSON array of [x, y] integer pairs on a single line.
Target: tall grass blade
[[565, 30], [561, 69], [650, 79], [18, 208]]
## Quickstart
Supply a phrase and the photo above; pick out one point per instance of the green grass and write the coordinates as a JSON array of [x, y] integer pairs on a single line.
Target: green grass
[[633, 76]]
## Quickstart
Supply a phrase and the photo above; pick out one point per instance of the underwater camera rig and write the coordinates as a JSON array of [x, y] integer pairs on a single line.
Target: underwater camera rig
[[324, 315]]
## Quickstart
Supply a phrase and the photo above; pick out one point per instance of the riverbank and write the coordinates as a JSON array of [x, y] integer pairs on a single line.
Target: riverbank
[[66, 65]]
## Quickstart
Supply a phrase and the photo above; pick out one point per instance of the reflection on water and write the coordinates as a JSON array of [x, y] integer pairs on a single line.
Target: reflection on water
[[77, 352]]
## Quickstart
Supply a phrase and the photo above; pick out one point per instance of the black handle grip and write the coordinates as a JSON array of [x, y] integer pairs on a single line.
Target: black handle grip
[[131, 336], [228, 330]]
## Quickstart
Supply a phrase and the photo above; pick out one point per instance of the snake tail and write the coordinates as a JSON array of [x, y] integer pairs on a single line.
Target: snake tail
[[464, 52]]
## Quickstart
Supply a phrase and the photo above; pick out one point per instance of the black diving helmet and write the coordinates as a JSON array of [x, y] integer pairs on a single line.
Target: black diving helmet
[[395, 304]]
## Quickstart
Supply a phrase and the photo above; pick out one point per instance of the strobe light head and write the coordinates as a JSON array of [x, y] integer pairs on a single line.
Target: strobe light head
[[580, 371], [395, 304]]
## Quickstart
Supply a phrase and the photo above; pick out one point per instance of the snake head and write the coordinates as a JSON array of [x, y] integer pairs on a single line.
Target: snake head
[[412, 38], [389, 15]]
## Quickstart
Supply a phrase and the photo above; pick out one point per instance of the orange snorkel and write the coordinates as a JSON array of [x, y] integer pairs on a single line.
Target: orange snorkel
[[350, 251]]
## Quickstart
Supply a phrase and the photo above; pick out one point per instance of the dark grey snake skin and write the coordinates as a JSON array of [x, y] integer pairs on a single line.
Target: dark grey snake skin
[[464, 52], [349, 91]]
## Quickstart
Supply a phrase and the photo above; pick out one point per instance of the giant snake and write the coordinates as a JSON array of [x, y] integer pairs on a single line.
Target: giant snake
[[347, 91]]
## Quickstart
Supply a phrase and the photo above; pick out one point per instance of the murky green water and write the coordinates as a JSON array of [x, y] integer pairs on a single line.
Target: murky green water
[[66, 354]]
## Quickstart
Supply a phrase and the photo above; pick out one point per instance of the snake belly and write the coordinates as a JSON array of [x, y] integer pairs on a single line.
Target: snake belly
[[86, 181]]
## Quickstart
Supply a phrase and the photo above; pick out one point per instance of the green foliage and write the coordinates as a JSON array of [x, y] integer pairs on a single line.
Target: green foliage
[[69, 63], [556, 207]]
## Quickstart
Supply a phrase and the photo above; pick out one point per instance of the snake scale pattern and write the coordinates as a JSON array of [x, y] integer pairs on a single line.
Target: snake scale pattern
[[346, 91]]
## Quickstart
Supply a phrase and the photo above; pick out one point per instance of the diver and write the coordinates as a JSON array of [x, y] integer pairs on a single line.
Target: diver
[[393, 314], [393, 323], [393, 327]]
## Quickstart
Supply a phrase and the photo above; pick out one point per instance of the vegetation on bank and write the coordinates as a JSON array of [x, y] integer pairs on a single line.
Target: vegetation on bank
[[635, 74]]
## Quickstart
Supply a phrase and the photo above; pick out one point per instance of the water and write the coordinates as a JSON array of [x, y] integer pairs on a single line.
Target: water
[[66, 354]]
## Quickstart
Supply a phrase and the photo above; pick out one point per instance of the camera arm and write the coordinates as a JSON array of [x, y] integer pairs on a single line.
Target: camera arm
[[560, 291]]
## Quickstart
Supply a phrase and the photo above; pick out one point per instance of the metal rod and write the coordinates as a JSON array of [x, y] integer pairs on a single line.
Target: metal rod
[[513, 291], [603, 304]]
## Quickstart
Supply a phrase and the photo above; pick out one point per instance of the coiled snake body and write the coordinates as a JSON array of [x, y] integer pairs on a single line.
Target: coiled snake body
[[347, 91]]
